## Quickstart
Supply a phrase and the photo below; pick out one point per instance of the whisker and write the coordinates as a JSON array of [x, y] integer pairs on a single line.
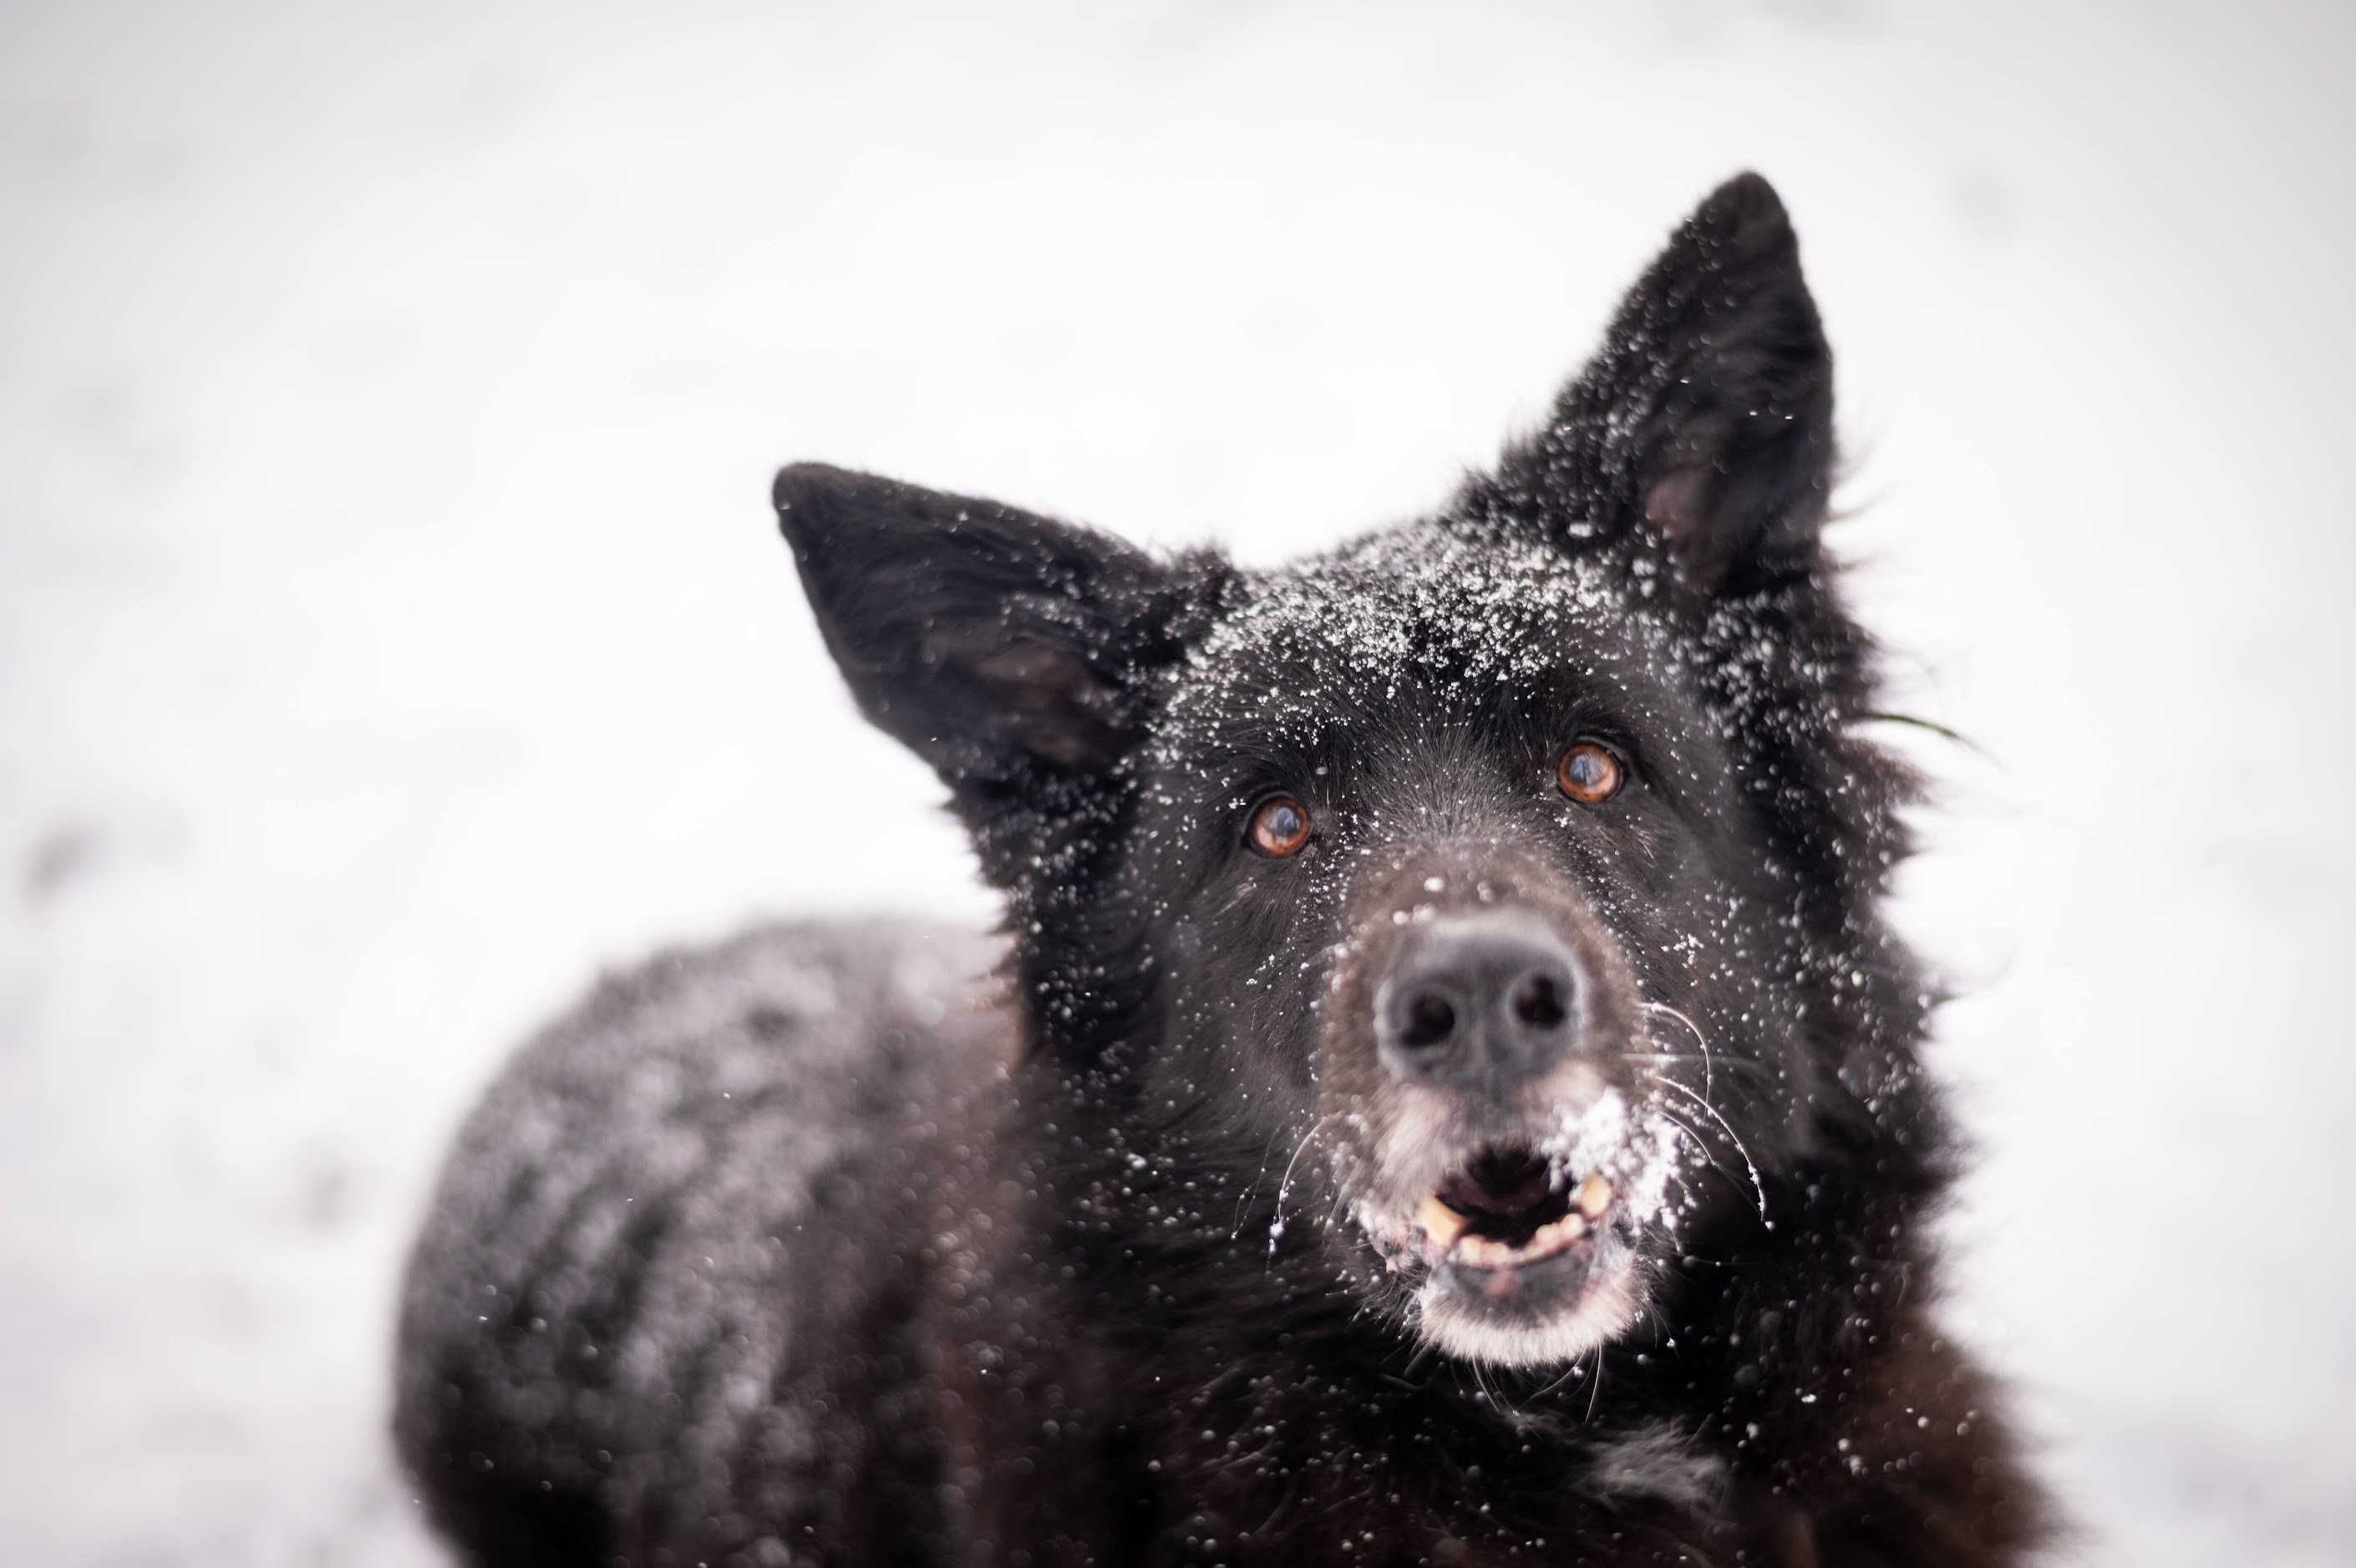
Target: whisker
[[1734, 1064], [1758, 1187], [1709, 1066], [1284, 1183], [1700, 1147], [1567, 1373], [1757, 1070], [1333, 1211], [1252, 1190], [1929, 726]]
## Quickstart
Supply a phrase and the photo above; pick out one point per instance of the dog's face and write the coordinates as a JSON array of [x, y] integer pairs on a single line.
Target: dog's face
[[1466, 892], [1438, 829]]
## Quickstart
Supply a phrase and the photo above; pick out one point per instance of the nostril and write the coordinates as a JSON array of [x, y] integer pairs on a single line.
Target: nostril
[[1428, 1020], [1477, 1003], [1537, 1001]]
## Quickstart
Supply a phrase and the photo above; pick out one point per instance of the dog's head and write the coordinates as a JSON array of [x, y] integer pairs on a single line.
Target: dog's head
[[1497, 890]]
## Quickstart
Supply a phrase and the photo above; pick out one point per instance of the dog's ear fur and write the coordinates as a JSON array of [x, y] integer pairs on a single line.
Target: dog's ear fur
[[998, 646], [1705, 421]]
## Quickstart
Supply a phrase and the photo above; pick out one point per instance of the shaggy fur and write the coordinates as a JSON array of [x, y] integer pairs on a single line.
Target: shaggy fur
[[817, 1248]]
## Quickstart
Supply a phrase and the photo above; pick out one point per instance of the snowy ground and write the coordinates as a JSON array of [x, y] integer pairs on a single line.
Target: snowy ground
[[391, 626]]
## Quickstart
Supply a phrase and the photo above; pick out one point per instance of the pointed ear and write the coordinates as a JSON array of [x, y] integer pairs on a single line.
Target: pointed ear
[[1706, 419], [991, 642]]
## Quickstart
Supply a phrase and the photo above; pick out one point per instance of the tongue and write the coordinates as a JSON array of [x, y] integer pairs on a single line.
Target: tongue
[[1498, 1185]]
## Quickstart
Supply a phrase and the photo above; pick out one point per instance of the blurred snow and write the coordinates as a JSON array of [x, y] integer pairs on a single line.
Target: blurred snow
[[391, 625]]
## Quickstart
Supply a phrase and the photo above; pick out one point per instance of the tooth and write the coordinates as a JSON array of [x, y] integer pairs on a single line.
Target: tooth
[[1442, 1223], [1594, 1196], [1557, 1233], [1483, 1251]]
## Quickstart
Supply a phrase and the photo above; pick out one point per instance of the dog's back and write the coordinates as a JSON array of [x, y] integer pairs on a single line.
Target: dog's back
[[673, 1245]]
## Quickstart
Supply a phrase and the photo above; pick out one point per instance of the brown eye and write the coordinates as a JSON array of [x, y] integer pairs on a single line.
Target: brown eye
[[1590, 773], [1280, 826]]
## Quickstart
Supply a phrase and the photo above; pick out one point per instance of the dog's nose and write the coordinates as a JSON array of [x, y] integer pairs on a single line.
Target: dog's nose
[[1478, 1001]]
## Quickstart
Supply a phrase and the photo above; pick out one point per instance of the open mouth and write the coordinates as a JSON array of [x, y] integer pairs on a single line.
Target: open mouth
[[1523, 1253], [1508, 1207]]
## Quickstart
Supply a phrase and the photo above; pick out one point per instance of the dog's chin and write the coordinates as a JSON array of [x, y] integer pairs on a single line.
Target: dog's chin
[[1546, 1317]]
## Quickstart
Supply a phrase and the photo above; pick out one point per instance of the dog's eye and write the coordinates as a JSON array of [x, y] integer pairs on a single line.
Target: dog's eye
[[1590, 773], [1280, 826]]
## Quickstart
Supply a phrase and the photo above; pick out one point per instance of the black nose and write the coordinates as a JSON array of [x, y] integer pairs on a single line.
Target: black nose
[[1478, 1001]]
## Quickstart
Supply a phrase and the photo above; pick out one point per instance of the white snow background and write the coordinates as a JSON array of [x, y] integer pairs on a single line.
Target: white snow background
[[392, 626]]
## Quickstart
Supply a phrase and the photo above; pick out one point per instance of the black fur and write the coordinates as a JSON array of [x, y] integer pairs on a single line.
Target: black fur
[[816, 1249]]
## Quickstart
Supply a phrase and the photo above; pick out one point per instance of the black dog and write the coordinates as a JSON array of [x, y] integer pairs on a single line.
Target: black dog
[[1451, 1097]]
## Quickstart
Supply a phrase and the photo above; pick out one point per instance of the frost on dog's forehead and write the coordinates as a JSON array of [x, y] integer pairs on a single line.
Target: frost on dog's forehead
[[1454, 617]]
